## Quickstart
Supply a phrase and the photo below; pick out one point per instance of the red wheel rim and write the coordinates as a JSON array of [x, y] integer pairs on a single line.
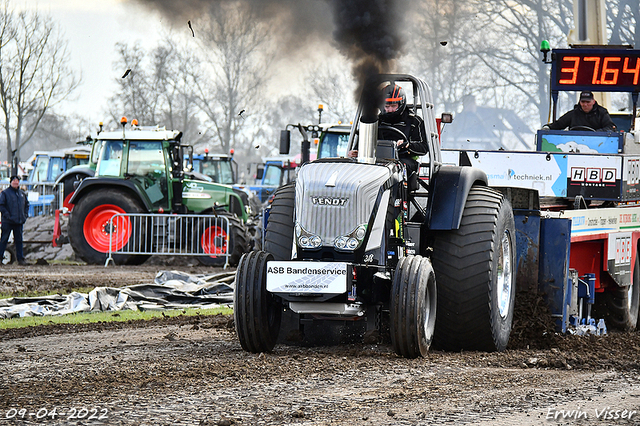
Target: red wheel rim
[[214, 241], [97, 232]]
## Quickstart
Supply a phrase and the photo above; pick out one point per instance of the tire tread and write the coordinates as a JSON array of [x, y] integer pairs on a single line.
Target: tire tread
[[253, 307]]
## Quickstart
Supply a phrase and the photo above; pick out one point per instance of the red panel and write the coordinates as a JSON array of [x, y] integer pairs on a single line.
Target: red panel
[[586, 258]]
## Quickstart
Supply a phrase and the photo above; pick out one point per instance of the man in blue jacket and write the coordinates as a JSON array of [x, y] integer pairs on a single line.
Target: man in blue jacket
[[14, 207]]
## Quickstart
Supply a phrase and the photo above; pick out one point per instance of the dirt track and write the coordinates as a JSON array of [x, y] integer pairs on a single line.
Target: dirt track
[[193, 371]]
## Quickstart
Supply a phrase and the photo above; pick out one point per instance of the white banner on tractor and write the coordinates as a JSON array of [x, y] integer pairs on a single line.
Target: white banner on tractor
[[307, 277], [554, 174]]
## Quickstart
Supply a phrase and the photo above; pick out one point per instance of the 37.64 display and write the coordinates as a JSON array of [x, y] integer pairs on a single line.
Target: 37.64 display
[[596, 69]]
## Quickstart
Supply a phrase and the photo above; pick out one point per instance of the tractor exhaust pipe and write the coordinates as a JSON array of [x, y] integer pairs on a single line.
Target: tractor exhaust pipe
[[367, 139]]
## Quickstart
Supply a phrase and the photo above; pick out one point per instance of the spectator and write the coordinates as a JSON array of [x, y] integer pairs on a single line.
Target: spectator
[[585, 115], [14, 207]]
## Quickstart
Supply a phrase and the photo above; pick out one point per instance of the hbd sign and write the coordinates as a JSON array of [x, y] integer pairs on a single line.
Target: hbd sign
[[593, 175]]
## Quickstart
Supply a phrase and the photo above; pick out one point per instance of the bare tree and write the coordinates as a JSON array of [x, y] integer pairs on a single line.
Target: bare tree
[[624, 22], [329, 82], [488, 49], [136, 97], [236, 55], [34, 75], [437, 49], [157, 87], [57, 131], [176, 69], [508, 51]]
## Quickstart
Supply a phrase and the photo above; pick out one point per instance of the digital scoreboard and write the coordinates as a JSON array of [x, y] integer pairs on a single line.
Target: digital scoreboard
[[599, 70]]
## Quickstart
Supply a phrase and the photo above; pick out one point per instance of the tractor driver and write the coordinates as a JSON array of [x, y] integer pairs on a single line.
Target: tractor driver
[[394, 113], [585, 115]]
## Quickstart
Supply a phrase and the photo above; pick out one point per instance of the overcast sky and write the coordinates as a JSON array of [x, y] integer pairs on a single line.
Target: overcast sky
[[92, 28]]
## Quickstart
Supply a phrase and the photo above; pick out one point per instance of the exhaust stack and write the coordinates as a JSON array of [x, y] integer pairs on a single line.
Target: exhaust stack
[[367, 140]]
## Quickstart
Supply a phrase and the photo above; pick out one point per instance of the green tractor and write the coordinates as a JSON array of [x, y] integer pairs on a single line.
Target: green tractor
[[141, 170]]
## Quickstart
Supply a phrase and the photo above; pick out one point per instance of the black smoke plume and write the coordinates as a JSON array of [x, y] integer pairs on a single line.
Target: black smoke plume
[[367, 32]]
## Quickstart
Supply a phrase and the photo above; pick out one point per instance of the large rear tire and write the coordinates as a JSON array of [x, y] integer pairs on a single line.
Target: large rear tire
[[413, 307], [278, 238], [257, 313], [213, 240], [619, 307], [89, 227], [475, 270]]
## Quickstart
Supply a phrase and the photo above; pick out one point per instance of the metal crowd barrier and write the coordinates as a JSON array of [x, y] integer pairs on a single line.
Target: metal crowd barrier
[[43, 197], [169, 234]]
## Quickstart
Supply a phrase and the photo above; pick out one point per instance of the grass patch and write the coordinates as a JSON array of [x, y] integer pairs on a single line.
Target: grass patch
[[110, 316]]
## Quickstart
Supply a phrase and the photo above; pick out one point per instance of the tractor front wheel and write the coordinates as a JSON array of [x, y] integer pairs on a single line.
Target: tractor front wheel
[[257, 313], [413, 306]]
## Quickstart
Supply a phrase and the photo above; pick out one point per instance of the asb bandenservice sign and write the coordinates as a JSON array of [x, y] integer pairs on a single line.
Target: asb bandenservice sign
[[306, 277]]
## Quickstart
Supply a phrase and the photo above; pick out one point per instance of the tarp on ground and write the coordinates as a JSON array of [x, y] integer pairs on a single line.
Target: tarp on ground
[[170, 290]]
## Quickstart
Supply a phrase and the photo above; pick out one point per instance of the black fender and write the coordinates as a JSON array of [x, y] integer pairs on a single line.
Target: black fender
[[450, 188], [86, 171], [95, 183]]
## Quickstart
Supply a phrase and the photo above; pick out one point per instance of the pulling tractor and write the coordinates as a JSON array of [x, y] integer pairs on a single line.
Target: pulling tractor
[[440, 260], [140, 170], [358, 240]]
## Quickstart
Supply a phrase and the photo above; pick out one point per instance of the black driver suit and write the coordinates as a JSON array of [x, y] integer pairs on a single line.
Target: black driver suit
[[413, 128]]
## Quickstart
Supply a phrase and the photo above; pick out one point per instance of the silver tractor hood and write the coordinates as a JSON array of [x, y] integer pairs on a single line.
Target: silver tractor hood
[[334, 201]]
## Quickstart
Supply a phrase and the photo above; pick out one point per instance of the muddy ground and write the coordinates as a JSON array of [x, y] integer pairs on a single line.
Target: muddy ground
[[192, 371]]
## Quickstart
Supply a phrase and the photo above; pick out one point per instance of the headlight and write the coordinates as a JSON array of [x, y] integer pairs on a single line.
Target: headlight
[[352, 240], [305, 239], [352, 243]]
